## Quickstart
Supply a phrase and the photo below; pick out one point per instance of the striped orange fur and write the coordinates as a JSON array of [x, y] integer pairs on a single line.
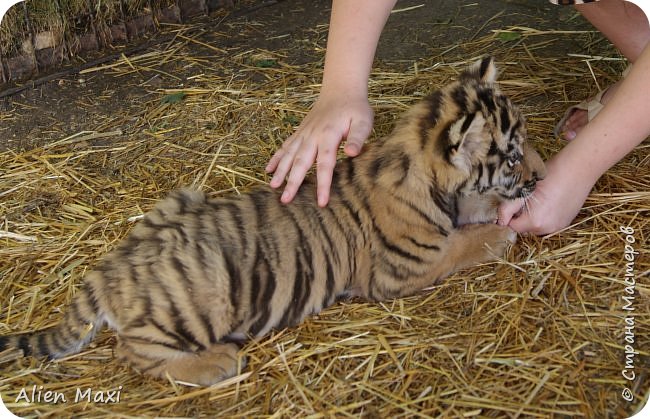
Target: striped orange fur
[[198, 275]]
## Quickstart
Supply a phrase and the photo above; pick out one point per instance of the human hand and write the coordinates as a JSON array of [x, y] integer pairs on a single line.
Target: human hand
[[552, 206], [331, 120]]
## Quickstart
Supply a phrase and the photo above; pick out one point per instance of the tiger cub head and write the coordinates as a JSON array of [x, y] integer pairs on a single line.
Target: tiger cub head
[[473, 140]]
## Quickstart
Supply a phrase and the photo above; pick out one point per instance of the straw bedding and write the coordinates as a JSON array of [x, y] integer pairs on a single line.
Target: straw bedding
[[541, 333]]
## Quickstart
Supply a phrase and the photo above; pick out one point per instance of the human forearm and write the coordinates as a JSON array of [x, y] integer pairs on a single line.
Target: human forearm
[[617, 129], [342, 110], [355, 27]]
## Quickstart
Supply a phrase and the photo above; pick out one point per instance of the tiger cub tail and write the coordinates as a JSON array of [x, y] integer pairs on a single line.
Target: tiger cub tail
[[77, 328]]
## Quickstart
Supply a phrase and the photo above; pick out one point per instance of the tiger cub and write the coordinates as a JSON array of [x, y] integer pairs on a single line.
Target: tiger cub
[[198, 276]]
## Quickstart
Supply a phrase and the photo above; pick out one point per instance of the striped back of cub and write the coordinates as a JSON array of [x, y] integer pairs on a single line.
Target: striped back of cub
[[198, 276]]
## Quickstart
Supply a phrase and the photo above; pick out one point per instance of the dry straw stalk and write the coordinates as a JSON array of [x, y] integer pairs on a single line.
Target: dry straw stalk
[[539, 334]]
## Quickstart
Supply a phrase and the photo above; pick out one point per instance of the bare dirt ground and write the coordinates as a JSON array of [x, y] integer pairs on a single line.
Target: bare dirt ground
[[298, 29]]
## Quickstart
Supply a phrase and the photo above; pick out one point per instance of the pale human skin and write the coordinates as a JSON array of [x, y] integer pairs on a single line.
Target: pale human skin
[[342, 112], [626, 26], [599, 144]]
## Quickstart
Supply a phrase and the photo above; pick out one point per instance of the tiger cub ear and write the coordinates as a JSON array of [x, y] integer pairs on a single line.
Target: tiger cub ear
[[483, 70], [465, 139]]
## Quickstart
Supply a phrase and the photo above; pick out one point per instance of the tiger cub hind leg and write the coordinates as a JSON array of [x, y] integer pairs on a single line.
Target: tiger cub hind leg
[[204, 367]]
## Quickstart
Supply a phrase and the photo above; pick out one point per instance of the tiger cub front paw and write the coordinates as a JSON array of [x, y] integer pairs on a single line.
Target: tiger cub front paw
[[498, 238], [489, 241]]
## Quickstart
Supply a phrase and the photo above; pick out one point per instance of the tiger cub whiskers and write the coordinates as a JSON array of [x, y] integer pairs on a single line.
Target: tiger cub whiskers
[[197, 276]]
